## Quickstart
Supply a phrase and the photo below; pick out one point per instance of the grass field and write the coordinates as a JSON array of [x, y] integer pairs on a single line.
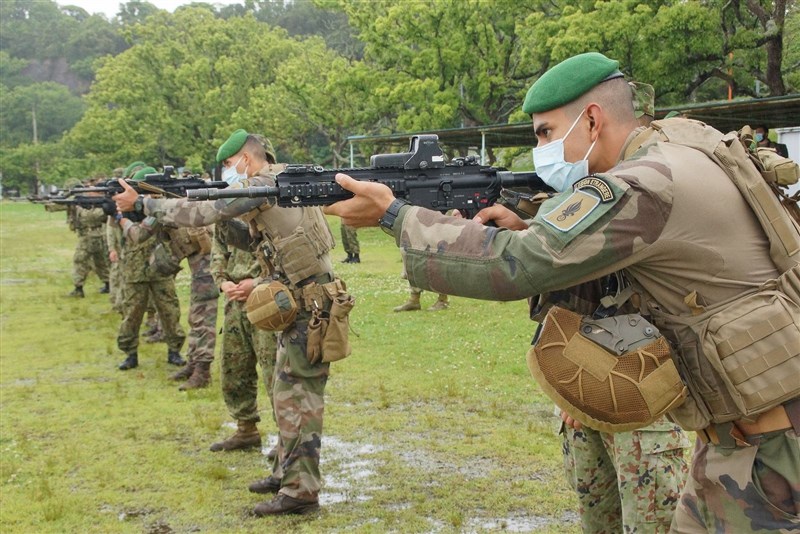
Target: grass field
[[432, 425]]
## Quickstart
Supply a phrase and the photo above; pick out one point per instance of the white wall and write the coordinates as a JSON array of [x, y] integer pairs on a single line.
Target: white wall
[[791, 138]]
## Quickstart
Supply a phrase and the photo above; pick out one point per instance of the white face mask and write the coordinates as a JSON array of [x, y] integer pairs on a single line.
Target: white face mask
[[553, 169], [231, 175]]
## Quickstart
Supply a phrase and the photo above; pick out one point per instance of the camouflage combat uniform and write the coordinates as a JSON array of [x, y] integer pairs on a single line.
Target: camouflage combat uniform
[[91, 253], [243, 345], [204, 294], [671, 232], [298, 394], [141, 285], [116, 283], [350, 240], [626, 481]]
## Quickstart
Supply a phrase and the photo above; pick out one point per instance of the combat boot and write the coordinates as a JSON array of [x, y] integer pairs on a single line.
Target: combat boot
[[200, 378], [105, 289], [130, 362], [265, 485], [355, 259], [77, 292], [348, 259], [411, 305], [184, 373], [174, 358], [440, 304], [246, 437], [283, 505]]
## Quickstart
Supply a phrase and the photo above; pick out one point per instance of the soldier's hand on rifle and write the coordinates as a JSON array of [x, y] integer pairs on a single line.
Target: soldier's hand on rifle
[[501, 216], [126, 199], [371, 201]]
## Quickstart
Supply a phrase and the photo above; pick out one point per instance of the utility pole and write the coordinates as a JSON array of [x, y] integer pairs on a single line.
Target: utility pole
[[35, 142]]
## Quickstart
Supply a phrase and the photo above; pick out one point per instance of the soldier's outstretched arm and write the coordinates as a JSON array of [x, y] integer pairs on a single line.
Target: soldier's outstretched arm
[[181, 212]]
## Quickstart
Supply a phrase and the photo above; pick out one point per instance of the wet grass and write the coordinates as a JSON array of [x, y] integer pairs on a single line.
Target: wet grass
[[432, 425]]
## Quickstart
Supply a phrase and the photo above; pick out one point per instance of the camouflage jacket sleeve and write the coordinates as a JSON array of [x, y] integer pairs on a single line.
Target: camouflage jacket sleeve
[[182, 212], [219, 257], [606, 223], [113, 235], [140, 232]]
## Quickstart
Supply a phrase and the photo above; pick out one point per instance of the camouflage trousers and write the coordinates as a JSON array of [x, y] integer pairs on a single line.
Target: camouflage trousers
[[746, 489], [299, 404], [165, 300], [202, 310], [91, 254], [350, 240], [115, 283], [628, 481], [243, 348]]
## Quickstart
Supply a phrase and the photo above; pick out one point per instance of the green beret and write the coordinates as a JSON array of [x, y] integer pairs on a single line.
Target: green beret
[[233, 145], [569, 80], [140, 174], [130, 169]]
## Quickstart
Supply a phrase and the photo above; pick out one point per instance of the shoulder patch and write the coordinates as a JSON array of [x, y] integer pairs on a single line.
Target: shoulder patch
[[571, 211], [598, 185]]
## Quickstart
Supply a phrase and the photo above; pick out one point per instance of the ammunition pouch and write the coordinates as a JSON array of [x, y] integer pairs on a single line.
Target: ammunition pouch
[[614, 374], [162, 263], [740, 358], [329, 331], [271, 307], [299, 255], [200, 238], [181, 242]]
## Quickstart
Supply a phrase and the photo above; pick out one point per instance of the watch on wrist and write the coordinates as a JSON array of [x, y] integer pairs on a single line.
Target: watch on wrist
[[387, 221], [138, 205]]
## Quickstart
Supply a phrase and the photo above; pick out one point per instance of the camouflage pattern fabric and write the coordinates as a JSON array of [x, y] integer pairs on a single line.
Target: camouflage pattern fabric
[[299, 403], [746, 489], [629, 481], [649, 215], [116, 283], [243, 347], [142, 285], [91, 253], [202, 310], [350, 240]]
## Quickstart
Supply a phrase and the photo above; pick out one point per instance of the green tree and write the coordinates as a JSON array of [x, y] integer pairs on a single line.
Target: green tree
[[172, 96], [51, 105]]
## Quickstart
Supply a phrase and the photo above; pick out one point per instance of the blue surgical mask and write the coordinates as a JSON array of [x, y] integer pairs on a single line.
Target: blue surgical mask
[[553, 169], [759, 137], [231, 175]]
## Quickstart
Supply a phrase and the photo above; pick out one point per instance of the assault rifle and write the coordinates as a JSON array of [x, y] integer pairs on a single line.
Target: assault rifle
[[156, 183], [420, 176], [91, 202]]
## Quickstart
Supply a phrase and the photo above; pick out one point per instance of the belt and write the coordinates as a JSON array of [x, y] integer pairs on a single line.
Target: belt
[[735, 433]]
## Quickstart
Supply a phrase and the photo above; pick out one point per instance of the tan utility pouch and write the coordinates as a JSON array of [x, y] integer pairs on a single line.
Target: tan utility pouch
[[201, 238], [329, 332], [754, 345], [624, 384], [271, 307], [297, 256]]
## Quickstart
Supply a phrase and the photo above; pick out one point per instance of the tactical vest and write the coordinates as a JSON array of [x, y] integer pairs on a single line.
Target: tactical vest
[[294, 242], [740, 357]]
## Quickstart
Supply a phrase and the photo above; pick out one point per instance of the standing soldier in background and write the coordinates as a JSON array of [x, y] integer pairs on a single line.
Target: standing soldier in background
[[244, 346], [114, 245], [141, 284], [350, 244], [295, 295], [194, 244], [413, 303], [91, 253]]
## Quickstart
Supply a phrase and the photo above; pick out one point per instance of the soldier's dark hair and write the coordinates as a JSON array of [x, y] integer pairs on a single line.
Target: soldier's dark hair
[[255, 144]]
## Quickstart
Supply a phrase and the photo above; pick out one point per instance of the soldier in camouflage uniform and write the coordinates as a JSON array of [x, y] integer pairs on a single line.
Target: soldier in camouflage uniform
[[91, 253], [244, 347], [629, 199], [413, 302], [114, 246], [627, 481], [299, 234], [350, 244], [203, 295], [142, 284]]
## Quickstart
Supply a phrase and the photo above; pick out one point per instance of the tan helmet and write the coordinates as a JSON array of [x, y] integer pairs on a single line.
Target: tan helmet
[[271, 307]]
